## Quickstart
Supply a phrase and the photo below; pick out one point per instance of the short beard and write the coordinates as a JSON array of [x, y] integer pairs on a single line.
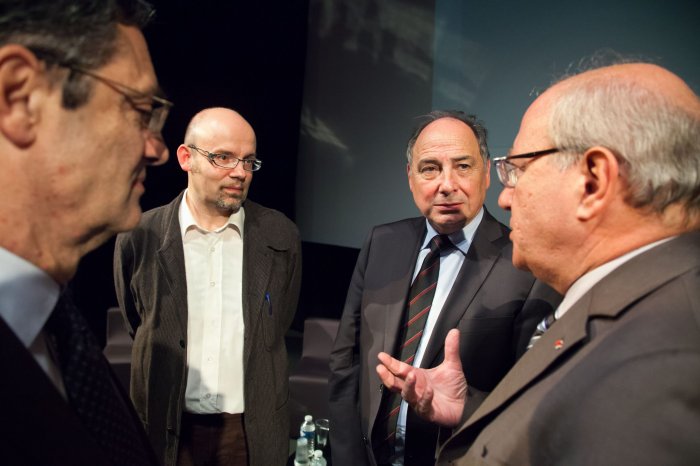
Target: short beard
[[230, 204]]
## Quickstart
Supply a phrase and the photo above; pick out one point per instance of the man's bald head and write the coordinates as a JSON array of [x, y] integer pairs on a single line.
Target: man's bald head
[[216, 120], [647, 116]]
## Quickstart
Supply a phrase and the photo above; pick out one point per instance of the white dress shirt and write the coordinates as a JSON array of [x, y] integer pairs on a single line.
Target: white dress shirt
[[214, 270], [27, 297], [450, 264]]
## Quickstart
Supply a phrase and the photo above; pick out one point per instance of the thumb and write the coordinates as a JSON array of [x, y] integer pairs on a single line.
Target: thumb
[[452, 347]]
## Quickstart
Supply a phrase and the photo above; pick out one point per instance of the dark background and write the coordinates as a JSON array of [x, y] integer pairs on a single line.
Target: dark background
[[331, 88], [250, 57]]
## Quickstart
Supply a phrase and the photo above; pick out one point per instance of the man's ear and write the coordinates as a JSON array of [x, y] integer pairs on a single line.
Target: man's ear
[[184, 157], [600, 169], [21, 75]]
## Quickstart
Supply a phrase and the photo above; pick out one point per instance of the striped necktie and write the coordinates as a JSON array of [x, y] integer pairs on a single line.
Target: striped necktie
[[542, 327], [419, 302]]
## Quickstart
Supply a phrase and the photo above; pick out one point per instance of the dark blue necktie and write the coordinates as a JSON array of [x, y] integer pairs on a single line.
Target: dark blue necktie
[[89, 387]]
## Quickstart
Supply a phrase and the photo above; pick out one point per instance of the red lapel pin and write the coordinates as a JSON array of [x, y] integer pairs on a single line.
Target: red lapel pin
[[559, 344]]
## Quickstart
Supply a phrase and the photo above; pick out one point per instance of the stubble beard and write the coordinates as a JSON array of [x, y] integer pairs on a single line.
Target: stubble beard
[[229, 203]]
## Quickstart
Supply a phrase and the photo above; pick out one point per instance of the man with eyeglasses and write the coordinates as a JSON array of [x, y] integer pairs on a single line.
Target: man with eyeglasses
[[79, 124], [209, 285], [392, 306], [604, 189]]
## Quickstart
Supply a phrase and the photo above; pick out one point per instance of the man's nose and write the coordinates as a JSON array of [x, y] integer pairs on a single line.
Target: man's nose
[[447, 182], [155, 151], [237, 171], [505, 198]]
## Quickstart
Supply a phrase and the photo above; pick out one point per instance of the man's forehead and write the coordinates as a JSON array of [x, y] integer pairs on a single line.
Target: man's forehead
[[132, 62], [534, 127], [445, 132]]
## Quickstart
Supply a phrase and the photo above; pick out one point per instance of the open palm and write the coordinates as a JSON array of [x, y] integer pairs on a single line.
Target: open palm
[[438, 394]]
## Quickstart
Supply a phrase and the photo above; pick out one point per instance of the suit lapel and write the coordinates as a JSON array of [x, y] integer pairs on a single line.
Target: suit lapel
[[610, 297], [398, 292], [35, 411], [257, 269], [171, 260], [480, 259]]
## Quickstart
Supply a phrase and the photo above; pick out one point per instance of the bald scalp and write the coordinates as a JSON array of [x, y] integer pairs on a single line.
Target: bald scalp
[[210, 121], [646, 115], [648, 76]]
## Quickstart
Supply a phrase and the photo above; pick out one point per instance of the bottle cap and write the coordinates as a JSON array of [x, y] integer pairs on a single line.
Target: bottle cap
[[308, 418], [302, 441], [318, 454]]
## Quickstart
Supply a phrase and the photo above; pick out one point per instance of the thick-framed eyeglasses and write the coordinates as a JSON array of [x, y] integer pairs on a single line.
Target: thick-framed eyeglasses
[[228, 161], [154, 119], [508, 172]]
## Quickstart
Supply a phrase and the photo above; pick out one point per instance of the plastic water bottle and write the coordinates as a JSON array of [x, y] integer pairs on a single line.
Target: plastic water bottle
[[308, 431], [318, 459], [301, 458]]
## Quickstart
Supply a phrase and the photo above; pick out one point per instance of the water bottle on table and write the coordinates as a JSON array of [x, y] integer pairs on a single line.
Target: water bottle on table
[[308, 431], [318, 459], [301, 458]]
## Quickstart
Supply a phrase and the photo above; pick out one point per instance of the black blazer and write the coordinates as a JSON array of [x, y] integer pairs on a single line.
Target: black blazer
[[495, 306], [37, 426]]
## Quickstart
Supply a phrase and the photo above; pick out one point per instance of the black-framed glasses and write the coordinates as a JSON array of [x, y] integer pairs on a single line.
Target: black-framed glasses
[[154, 119], [228, 161], [508, 172]]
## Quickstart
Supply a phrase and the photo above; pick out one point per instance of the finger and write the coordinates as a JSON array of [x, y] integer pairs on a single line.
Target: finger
[[452, 347], [393, 365], [388, 379], [408, 392]]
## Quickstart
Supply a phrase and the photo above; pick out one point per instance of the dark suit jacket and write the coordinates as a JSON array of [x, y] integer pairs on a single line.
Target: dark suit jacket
[[37, 426], [615, 381], [494, 305], [149, 270]]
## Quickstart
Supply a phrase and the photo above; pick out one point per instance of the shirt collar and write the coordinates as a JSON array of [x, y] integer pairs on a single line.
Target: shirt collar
[[27, 296], [462, 239], [588, 280], [187, 221]]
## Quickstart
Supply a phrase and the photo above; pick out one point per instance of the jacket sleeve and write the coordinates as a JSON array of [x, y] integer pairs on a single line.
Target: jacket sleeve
[[348, 446], [123, 271], [294, 283]]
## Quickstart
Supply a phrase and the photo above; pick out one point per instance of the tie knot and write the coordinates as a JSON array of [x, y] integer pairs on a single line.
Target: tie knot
[[440, 243]]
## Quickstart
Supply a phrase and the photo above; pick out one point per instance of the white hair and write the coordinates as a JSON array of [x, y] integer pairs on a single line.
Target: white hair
[[657, 142]]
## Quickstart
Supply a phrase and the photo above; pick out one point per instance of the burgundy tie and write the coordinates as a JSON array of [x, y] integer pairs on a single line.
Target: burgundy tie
[[420, 299]]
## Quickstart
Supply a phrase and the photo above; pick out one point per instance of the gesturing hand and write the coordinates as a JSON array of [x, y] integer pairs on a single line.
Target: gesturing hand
[[436, 394]]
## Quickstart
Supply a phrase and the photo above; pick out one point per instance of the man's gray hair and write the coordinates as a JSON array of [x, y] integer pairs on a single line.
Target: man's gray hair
[[472, 121], [71, 33], [657, 142]]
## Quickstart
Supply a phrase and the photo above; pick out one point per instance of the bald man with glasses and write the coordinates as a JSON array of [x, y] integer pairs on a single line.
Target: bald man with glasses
[[209, 285]]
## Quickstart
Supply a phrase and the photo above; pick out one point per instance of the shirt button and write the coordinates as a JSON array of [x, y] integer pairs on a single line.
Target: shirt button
[[212, 284], [207, 396], [212, 249]]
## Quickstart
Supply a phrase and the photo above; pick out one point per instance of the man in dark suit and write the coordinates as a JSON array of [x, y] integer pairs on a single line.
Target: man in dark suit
[[614, 153], [79, 123], [209, 285], [478, 290]]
